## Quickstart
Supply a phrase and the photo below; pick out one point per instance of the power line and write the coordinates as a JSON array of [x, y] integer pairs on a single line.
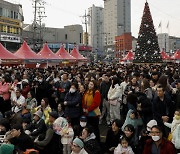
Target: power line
[[85, 16], [39, 14]]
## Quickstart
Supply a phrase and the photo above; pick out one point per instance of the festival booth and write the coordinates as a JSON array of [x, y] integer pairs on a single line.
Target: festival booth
[[29, 57], [8, 58], [176, 56], [50, 58], [80, 59], [128, 58], [165, 57], [67, 59]]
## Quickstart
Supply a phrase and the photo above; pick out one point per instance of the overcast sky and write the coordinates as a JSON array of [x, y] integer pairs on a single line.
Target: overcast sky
[[67, 12]]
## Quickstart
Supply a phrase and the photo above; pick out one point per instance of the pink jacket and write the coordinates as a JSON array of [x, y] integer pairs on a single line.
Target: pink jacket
[[4, 90]]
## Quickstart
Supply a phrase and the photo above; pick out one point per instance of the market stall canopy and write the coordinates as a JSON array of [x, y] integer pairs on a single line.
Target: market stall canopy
[[128, 57], [77, 55], [5, 54], [46, 53], [64, 54], [25, 52], [165, 56], [176, 55]]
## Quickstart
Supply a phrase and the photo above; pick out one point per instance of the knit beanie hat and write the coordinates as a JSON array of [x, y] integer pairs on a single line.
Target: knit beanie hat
[[6, 149], [150, 124], [78, 142]]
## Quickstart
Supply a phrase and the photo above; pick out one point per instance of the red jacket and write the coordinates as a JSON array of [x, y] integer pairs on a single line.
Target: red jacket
[[166, 147], [95, 104]]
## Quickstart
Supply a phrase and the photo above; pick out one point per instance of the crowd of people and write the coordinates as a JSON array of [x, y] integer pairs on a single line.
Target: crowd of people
[[139, 104]]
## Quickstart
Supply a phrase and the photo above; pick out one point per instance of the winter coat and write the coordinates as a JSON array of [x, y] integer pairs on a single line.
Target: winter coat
[[177, 139], [173, 127], [72, 108], [51, 143], [120, 150], [115, 93], [166, 147], [104, 88], [93, 104], [91, 145], [37, 128], [22, 142], [135, 122], [112, 140], [162, 108]]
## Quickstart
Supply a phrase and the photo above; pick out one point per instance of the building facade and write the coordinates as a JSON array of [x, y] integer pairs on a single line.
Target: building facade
[[69, 35], [163, 41], [123, 43], [96, 28], [117, 20], [174, 44], [11, 21]]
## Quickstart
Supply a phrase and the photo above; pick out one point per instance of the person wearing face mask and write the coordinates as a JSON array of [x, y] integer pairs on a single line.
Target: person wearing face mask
[[157, 144], [72, 103], [173, 136]]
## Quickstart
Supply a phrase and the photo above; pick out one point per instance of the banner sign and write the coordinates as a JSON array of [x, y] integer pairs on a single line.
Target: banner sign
[[8, 38]]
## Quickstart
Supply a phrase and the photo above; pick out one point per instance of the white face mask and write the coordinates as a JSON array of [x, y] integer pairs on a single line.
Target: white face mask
[[155, 138], [83, 124], [72, 90], [40, 80]]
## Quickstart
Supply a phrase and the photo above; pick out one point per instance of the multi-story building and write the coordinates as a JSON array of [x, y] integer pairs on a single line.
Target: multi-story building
[[163, 41], [11, 19], [117, 20], [69, 35], [174, 44], [96, 28], [123, 43]]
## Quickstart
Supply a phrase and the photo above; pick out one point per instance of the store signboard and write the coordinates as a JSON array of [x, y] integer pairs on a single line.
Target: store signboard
[[10, 38]]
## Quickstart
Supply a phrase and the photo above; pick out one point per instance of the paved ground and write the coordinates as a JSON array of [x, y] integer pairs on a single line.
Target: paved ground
[[103, 131]]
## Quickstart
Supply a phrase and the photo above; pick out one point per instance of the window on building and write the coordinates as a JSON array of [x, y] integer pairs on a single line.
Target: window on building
[[12, 13], [1, 11], [80, 36], [65, 36]]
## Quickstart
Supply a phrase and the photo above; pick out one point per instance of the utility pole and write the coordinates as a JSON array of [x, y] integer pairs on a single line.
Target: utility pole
[[38, 5], [85, 16], [41, 15]]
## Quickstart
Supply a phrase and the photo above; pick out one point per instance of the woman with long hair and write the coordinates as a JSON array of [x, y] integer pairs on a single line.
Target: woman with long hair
[[5, 85], [114, 98], [90, 104]]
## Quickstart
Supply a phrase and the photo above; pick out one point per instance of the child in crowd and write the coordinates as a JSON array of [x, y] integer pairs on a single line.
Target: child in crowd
[[133, 119], [67, 135], [123, 147]]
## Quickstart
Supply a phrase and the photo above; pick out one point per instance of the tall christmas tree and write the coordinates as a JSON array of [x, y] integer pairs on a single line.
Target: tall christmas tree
[[147, 48]]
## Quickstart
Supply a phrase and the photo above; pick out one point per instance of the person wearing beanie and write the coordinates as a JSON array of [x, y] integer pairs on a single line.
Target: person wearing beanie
[[6, 149], [50, 143], [78, 147], [37, 126], [145, 135], [150, 124]]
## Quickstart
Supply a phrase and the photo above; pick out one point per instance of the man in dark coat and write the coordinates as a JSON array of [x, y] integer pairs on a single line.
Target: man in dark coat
[[38, 125], [21, 140], [51, 142], [162, 107]]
